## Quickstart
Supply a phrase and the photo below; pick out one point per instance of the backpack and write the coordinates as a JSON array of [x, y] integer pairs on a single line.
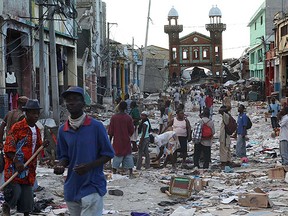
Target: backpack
[[249, 123], [231, 127], [207, 132]]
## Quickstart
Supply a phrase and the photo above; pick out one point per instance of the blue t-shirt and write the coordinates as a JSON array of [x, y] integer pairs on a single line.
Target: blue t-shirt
[[241, 122], [84, 145], [275, 108]]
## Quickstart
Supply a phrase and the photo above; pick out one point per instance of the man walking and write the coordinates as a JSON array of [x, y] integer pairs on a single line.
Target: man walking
[[283, 136], [121, 129], [83, 147], [274, 108], [22, 141], [241, 132], [224, 139]]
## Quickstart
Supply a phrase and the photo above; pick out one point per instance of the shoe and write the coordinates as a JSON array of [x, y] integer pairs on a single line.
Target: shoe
[[5, 209], [39, 188], [116, 192], [223, 164], [232, 164]]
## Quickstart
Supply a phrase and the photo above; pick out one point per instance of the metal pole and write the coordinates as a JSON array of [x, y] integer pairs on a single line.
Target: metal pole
[[53, 65], [109, 72], [108, 81], [133, 62], [44, 102], [146, 39]]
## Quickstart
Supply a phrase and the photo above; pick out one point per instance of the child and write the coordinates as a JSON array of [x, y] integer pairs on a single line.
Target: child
[[168, 145], [163, 120]]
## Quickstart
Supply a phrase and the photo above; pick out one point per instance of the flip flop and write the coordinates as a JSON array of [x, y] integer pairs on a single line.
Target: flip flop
[[116, 192], [39, 188]]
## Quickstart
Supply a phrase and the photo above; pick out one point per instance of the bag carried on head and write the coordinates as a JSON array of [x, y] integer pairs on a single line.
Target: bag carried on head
[[207, 132], [231, 127]]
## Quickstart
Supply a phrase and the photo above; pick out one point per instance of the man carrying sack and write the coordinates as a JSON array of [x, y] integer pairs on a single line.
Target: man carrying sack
[[22, 145]]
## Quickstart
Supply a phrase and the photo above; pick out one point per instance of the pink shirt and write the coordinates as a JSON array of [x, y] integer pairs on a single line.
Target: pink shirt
[[180, 127]]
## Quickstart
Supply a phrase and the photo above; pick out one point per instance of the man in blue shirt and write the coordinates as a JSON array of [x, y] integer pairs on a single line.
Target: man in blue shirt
[[241, 132], [83, 147], [274, 108]]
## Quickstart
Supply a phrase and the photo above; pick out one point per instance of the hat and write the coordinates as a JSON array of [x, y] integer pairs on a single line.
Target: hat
[[73, 89], [22, 99], [145, 113], [32, 104]]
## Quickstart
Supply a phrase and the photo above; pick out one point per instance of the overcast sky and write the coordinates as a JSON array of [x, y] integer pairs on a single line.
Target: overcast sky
[[131, 17]]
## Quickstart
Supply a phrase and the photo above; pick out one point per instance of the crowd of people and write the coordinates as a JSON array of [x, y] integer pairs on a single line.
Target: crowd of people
[[84, 145]]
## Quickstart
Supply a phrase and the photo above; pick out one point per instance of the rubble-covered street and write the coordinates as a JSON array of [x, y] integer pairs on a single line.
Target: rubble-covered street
[[219, 189]]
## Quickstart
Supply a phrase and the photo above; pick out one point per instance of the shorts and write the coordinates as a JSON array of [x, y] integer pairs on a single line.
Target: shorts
[[90, 205], [127, 162], [19, 195]]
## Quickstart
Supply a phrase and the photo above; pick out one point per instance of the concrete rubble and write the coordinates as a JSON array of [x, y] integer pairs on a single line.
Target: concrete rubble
[[220, 190]]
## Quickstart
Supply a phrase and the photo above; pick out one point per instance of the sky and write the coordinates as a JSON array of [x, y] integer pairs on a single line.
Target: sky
[[131, 18]]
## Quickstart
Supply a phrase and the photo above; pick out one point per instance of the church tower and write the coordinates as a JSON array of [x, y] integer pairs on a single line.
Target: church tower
[[173, 30], [216, 28]]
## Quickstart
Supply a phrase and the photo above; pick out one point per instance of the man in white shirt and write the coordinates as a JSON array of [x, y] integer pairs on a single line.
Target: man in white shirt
[[168, 145], [283, 136]]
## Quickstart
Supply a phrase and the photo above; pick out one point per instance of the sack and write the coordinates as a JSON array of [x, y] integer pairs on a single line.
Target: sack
[[249, 123], [207, 132], [2, 162], [231, 127]]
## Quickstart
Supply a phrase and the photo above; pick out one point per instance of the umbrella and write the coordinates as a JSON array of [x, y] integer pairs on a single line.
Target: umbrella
[[254, 79], [240, 81], [229, 82]]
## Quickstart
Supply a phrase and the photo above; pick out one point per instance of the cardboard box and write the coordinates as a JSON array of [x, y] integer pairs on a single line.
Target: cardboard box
[[257, 199], [205, 182], [198, 184], [276, 173]]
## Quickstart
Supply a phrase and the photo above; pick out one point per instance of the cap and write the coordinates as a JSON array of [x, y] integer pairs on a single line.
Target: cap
[[22, 99], [73, 89], [32, 104], [145, 113]]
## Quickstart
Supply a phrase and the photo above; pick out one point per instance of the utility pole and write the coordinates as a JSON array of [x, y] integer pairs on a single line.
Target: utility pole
[[53, 65], [133, 62], [44, 79], [109, 72], [146, 39]]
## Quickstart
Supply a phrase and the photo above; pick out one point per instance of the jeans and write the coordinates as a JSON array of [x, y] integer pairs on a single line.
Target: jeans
[[198, 149], [274, 122], [284, 151], [241, 146], [143, 150], [91, 205]]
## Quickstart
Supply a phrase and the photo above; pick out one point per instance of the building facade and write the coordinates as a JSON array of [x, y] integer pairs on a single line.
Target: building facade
[[20, 50], [195, 49], [262, 63]]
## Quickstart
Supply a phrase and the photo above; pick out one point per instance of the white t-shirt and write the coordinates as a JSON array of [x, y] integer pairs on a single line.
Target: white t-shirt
[[163, 121], [169, 140], [34, 138]]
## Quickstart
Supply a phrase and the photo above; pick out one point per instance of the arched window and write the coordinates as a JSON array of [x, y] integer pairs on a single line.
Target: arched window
[[174, 51], [196, 54], [185, 54]]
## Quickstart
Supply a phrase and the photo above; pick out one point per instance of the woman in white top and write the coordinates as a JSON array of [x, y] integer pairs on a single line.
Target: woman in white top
[[182, 128]]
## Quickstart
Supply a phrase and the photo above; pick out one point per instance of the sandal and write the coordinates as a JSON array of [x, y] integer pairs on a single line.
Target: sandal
[[39, 188], [116, 192]]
